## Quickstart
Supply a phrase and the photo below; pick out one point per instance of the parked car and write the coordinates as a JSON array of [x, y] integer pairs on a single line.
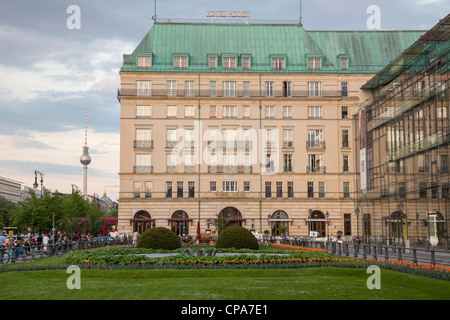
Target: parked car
[[106, 240]]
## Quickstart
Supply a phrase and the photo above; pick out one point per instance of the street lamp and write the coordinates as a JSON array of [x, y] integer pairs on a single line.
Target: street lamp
[[35, 184], [357, 223], [309, 224], [327, 223], [401, 206]]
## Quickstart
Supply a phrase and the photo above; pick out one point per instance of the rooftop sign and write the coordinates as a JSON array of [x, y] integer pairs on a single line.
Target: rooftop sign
[[232, 14]]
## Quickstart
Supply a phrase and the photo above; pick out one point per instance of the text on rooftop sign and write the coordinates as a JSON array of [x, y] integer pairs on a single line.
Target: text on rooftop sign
[[232, 14]]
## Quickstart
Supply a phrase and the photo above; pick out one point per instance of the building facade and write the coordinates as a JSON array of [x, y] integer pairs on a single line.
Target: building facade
[[403, 145], [249, 122], [10, 189]]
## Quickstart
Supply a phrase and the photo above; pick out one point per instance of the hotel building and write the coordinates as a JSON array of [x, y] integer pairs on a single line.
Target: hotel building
[[251, 122]]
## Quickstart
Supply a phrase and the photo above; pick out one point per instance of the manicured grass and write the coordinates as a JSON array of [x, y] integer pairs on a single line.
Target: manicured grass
[[237, 284]]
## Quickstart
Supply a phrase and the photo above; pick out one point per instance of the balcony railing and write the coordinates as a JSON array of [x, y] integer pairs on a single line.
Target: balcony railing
[[143, 169], [230, 169], [143, 144], [315, 144], [206, 93], [316, 169]]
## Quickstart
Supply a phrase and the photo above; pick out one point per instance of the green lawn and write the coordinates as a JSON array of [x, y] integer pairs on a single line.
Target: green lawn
[[257, 284]]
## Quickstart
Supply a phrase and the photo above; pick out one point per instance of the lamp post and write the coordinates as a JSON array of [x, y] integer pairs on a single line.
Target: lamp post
[[35, 184], [309, 223], [417, 228], [327, 223], [401, 206], [357, 223]]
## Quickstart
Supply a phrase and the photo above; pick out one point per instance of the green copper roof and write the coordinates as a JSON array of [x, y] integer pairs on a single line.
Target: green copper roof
[[367, 51]]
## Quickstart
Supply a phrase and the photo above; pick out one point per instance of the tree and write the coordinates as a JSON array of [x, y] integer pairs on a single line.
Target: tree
[[220, 223], [6, 206]]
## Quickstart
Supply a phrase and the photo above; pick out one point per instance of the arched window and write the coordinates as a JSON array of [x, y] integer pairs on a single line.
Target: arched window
[[142, 221], [232, 215], [179, 223]]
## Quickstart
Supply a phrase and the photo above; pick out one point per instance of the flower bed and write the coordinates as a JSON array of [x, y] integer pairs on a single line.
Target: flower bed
[[266, 257]]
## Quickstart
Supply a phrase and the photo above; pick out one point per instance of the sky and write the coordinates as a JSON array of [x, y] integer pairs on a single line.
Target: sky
[[56, 62]]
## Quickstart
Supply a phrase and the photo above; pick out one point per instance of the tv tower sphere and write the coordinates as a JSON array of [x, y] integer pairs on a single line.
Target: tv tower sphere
[[85, 158]]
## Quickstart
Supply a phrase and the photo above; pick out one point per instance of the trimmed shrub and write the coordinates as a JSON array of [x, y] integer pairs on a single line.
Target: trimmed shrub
[[159, 238], [238, 238]]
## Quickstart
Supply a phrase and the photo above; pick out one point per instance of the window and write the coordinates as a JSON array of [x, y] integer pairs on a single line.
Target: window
[[314, 112], [189, 138], [287, 89], [270, 112], [346, 190], [213, 63], [347, 224], [310, 189], [143, 163], [189, 111], [315, 138], [270, 163], [137, 189], [288, 137], [345, 141], [229, 63], [171, 163], [344, 112], [143, 87], [246, 88], [213, 112], [229, 112], [212, 89], [344, 89], [246, 186], [171, 87], [171, 111], [148, 189], [180, 63], [279, 189], [189, 88], [345, 163], [344, 64], [179, 189], [246, 112], [191, 189], [229, 186], [322, 189], [314, 63], [287, 163], [269, 89], [144, 62], [143, 138], [278, 63], [315, 163], [287, 112], [171, 138], [290, 192], [212, 186], [168, 189], [143, 111], [268, 189], [246, 63], [314, 89], [229, 88], [422, 190]]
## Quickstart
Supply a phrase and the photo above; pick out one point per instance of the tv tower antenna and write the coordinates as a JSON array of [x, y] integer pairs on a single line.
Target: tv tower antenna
[[85, 159]]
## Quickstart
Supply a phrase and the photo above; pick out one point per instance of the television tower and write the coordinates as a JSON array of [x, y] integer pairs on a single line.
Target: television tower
[[85, 159]]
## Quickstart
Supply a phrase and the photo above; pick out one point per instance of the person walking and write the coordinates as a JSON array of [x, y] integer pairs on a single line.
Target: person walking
[[45, 242], [136, 236]]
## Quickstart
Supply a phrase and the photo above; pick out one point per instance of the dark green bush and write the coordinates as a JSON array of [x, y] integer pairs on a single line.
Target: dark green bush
[[237, 237], [159, 238]]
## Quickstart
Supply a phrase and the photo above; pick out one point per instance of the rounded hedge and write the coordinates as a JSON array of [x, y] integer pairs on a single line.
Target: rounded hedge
[[159, 238], [238, 238]]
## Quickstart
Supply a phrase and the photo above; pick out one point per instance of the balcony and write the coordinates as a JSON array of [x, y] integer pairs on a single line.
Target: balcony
[[143, 169], [143, 144], [219, 93], [316, 169], [315, 144], [230, 169]]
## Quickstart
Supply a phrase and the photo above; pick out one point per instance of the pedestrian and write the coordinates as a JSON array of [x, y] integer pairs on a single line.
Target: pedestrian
[[2, 238], [136, 236], [45, 241]]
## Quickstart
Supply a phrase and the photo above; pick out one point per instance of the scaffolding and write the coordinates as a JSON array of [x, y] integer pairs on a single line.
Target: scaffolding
[[404, 133]]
